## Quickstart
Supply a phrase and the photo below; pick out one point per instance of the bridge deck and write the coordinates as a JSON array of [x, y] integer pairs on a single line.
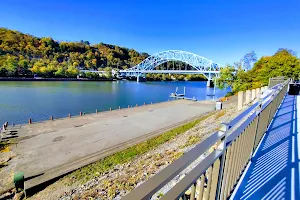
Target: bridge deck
[[274, 170]]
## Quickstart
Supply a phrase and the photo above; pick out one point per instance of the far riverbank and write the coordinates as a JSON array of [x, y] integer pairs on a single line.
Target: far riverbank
[[51, 79]]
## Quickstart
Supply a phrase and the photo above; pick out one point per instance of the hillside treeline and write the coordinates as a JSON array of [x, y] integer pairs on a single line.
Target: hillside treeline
[[25, 55]]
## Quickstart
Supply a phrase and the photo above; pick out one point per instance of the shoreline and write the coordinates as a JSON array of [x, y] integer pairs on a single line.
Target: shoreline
[[63, 136], [50, 79], [84, 79]]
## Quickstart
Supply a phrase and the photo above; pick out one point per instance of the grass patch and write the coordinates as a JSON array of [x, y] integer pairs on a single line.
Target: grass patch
[[4, 146], [220, 114], [88, 172], [193, 139]]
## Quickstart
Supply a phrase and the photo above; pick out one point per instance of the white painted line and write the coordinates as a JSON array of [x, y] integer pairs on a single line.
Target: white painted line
[[298, 133], [298, 126], [293, 149], [293, 185]]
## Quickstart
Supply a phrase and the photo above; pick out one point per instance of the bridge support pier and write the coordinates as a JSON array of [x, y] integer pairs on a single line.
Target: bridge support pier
[[140, 79], [209, 83]]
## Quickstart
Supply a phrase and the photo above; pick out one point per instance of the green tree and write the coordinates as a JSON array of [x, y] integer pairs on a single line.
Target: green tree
[[282, 63], [227, 77]]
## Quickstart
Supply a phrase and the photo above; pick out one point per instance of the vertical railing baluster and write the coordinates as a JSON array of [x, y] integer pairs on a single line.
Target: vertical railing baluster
[[224, 128], [201, 191], [214, 181], [208, 185], [193, 192]]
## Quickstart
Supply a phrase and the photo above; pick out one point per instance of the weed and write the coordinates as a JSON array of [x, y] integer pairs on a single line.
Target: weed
[[220, 114]]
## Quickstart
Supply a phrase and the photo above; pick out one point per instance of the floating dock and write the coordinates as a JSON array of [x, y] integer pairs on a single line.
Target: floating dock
[[177, 95]]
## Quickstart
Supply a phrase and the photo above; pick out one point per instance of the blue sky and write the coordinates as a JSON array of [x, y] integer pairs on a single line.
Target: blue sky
[[222, 31]]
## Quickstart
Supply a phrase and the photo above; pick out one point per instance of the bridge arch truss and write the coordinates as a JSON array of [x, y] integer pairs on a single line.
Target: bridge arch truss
[[200, 64]]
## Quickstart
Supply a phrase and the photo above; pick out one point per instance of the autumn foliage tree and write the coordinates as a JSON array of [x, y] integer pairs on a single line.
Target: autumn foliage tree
[[26, 55], [282, 63]]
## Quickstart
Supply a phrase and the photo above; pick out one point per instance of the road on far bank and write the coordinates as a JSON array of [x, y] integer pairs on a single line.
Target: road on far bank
[[50, 149]]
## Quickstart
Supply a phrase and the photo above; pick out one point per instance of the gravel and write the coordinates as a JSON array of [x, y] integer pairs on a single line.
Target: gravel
[[118, 181]]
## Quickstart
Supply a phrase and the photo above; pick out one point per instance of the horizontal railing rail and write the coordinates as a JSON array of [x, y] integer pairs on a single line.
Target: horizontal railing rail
[[228, 152]]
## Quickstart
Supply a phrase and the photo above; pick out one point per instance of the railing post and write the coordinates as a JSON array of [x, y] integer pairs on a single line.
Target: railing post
[[223, 129], [258, 111]]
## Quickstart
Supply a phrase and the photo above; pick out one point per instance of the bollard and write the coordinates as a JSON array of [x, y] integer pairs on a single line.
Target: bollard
[[3, 128], [69, 115], [51, 118], [80, 113], [19, 181], [248, 96], [240, 100], [6, 124], [110, 108], [257, 91], [96, 111], [253, 96], [29, 121]]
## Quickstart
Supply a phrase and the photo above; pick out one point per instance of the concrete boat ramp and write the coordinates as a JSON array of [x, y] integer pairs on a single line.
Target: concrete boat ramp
[[50, 149]]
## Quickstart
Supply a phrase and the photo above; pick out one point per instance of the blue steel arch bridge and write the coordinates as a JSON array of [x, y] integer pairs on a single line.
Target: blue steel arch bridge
[[199, 64]]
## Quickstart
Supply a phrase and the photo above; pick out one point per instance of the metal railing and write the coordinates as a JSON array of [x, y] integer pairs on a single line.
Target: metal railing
[[228, 153], [276, 80]]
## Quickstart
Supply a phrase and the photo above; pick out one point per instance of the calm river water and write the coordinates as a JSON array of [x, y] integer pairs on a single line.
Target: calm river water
[[20, 101]]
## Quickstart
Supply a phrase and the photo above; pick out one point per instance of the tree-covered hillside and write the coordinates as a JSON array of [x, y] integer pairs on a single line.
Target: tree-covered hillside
[[25, 55], [282, 63]]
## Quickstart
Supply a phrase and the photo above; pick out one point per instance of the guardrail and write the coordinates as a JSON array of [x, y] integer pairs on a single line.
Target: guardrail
[[228, 153], [276, 81]]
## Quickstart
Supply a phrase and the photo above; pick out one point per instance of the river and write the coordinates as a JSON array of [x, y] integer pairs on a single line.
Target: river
[[20, 101]]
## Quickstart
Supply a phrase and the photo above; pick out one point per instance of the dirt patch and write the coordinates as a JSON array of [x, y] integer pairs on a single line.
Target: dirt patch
[[57, 139]]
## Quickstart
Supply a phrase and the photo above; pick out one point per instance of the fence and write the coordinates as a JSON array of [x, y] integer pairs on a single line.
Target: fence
[[228, 152], [276, 80]]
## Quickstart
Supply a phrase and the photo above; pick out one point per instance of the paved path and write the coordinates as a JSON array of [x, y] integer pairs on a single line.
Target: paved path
[[52, 148], [274, 170]]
